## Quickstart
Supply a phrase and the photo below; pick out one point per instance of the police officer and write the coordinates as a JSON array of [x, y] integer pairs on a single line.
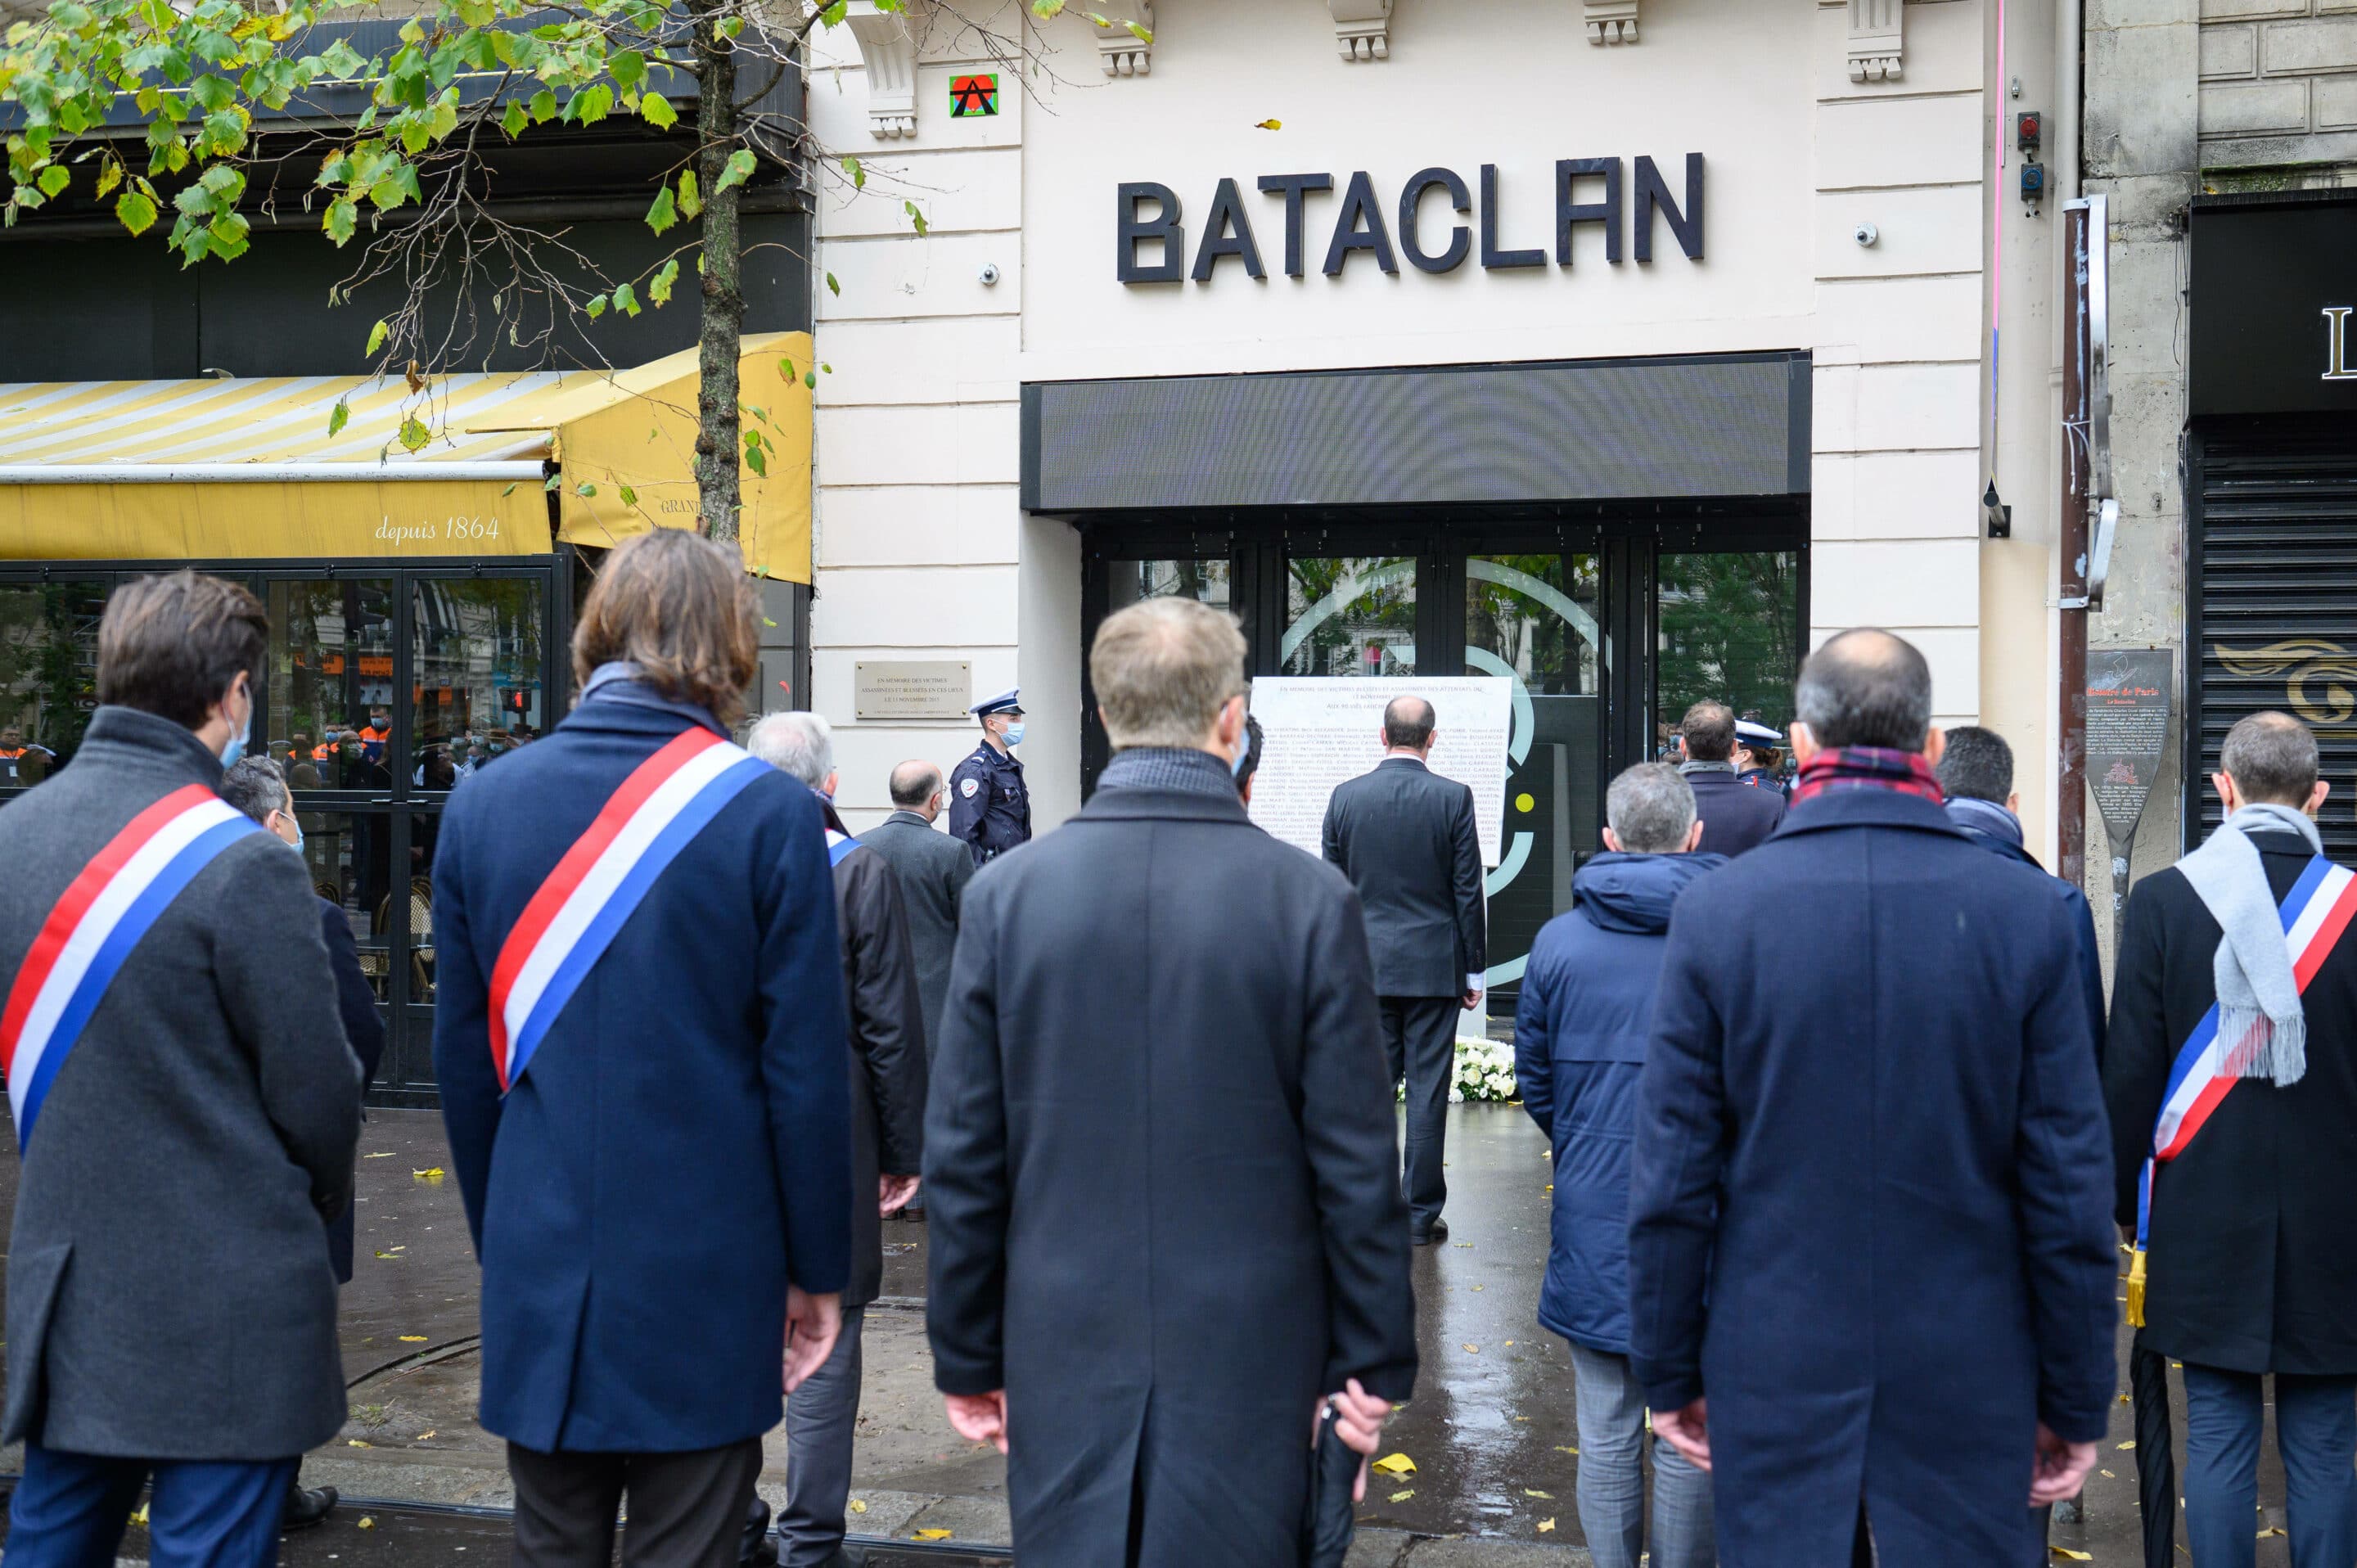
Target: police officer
[[1755, 757], [989, 807]]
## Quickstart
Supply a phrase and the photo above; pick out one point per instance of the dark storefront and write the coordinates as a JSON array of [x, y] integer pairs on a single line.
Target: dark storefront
[[1620, 538], [2271, 449]]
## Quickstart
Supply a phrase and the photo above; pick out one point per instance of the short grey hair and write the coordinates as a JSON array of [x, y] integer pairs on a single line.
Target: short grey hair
[[1867, 687], [2271, 757], [797, 743], [256, 786], [1651, 808], [1163, 669]]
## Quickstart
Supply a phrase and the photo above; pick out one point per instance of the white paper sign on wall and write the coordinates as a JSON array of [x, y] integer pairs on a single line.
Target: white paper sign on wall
[[1321, 730]]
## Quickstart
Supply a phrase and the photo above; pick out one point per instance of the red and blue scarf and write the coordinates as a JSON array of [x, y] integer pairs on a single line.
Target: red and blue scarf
[[1868, 767]]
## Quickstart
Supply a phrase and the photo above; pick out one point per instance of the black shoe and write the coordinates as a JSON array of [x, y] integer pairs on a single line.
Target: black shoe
[[757, 1547], [1437, 1233], [306, 1506]]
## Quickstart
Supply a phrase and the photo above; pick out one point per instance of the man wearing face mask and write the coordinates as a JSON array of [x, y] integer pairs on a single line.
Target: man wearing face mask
[[177, 1069], [257, 787], [990, 809]]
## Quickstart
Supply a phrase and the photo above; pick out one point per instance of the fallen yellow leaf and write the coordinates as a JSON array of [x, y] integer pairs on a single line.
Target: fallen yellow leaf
[[2271, 1530], [432, 1174], [1545, 1525], [1396, 1464], [2130, 1444], [2073, 1556], [1269, 125], [366, 1522], [1464, 1243], [1521, 1418], [1477, 1287], [1403, 1497], [386, 1156], [2109, 1476], [1573, 1452], [1473, 1349], [412, 1339], [1510, 1344], [141, 1517], [857, 1505], [1528, 1493], [356, 1443], [930, 1535], [423, 1436]]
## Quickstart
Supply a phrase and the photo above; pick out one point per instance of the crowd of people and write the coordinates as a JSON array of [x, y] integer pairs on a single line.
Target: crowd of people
[[1840, 1198]]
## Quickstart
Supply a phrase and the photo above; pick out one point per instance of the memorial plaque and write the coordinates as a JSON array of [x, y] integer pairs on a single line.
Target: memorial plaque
[[911, 688], [2129, 693], [1321, 730]]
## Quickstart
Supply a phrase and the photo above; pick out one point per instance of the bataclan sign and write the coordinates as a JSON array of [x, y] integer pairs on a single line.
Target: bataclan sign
[[1359, 222]]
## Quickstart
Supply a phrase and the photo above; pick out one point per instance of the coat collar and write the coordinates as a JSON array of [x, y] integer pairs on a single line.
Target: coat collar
[[119, 735], [1415, 762], [911, 818], [621, 715], [1867, 808], [1165, 805]]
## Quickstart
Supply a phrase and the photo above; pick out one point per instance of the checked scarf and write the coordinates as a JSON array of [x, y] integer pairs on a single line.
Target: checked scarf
[[1868, 767]]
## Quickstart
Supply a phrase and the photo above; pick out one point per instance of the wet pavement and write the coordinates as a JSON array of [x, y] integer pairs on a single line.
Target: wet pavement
[[1490, 1430]]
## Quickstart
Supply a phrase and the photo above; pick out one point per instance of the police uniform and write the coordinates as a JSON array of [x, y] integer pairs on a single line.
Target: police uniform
[[1756, 737], [990, 808]]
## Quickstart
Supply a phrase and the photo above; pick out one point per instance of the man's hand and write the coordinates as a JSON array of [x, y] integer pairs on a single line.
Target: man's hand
[[1358, 1417], [1472, 999], [893, 1193], [812, 1324], [2060, 1468], [979, 1418], [1687, 1430]]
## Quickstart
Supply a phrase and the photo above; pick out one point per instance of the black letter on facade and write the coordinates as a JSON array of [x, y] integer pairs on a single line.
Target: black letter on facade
[[1294, 187], [1227, 213], [1685, 225], [1568, 212], [1460, 243], [1358, 203], [1490, 255], [1163, 226]]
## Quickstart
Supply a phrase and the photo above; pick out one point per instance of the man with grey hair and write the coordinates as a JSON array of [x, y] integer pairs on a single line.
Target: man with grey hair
[[1581, 1029], [1871, 1260], [887, 1108], [2232, 1082], [1166, 1234]]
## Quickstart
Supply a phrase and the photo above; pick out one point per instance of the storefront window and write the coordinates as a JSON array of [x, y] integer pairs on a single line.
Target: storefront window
[[477, 656], [1349, 615], [331, 683], [49, 673], [1189, 578], [349, 855], [1730, 630]]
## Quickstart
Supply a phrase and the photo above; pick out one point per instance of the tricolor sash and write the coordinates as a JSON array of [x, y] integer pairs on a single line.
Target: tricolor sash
[[574, 914], [2315, 912], [839, 845], [93, 928]]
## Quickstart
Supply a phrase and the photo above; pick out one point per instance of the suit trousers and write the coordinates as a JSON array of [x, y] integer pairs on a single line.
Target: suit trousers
[[819, 1419], [2315, 1437], [687, 1510], [70, 1511], [1420, 1045]]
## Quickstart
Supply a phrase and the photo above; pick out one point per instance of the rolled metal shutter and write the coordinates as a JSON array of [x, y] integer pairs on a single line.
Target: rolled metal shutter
[[2278, 610]]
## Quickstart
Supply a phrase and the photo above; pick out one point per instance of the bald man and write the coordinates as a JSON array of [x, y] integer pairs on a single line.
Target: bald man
[[933, 869]]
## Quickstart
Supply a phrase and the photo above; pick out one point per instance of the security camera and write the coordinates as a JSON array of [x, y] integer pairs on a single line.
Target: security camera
[[989, 274], [1866, 234]]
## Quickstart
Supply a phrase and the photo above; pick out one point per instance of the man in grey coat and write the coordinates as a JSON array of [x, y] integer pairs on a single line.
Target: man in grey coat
[[186, 1105], [933, 869]]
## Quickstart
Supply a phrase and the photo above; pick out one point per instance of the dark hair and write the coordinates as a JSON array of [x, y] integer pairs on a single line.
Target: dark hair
[[2271, 757], [680, 608], [256, 787], [1708, 730], [173, 645], [1408, 723], [1976, 766], [1867, 687], [913, 784], [1254, 737]]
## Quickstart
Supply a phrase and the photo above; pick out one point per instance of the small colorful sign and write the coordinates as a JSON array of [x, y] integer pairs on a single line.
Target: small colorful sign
[[973, 97]]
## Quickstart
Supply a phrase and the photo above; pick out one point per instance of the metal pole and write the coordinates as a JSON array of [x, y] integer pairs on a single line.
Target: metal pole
[[2070, 803]]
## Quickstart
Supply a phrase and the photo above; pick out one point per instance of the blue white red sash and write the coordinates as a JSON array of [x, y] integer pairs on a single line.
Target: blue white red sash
[[574, 916], [838, 846], [2315, 912], [82, 945]]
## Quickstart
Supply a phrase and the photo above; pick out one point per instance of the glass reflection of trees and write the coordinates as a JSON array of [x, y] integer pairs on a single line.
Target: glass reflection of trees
[[1545, 649], [1730, 629], [1372, 633], [48, 670], [479, 655], [1205, 581]]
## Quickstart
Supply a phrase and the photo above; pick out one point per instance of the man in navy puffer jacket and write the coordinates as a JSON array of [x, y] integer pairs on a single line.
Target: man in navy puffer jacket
[[1579, 1047]]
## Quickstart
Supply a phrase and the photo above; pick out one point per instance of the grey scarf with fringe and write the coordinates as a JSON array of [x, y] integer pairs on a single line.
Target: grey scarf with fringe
[[2259, 1012]]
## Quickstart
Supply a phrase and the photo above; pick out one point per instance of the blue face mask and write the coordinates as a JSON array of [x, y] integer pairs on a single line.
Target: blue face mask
[[236, 747], [1014, 736]]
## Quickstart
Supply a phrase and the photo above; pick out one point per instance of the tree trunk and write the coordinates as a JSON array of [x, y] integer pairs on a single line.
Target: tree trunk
[[716, 432]]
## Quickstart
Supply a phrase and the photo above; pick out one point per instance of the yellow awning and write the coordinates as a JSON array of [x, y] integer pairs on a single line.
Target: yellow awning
[[246, 469]]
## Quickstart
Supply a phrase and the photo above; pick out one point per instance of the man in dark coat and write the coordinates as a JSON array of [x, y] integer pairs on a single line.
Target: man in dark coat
[[2251, 1242], [171, 1310], [933, 869], [1159, 1148], [257, 787], [887, 1128], [659, 1188], [1735, 816], [1581, 1028], [1871, 1267], [1404, 837]]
